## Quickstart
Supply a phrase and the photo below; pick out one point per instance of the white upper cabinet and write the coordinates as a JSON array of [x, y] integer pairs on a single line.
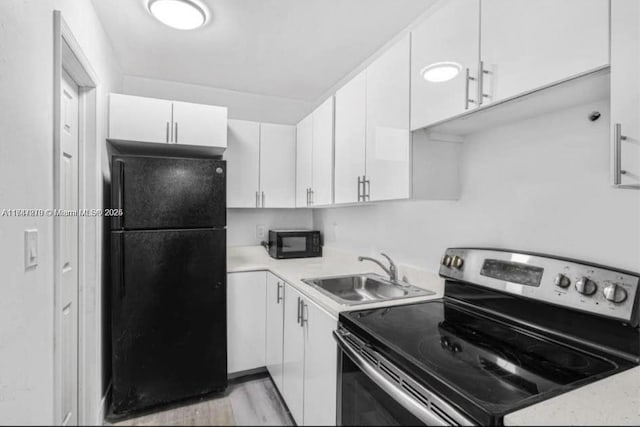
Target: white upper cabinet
[[350, 139], [275, 328], [139, 119], [528, 44], [246, 332], [135, 118], [304, 153], [198, 124], [447, 38], [322, 157], [625, 91], [277, 166], [243, 159], [387, 136]]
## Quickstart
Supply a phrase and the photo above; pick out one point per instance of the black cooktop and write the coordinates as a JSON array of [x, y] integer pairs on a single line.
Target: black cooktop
[[481, 364]]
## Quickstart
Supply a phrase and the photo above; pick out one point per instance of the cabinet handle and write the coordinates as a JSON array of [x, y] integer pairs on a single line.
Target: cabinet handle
[[359, 189], [176, 138], [262, 201], [367, 189], [308, 197], [311, 193], [303, 319], [167, 132], [278, 297], [467, 79], [617, 154], [299, 315], [257, 199], [481, 73]]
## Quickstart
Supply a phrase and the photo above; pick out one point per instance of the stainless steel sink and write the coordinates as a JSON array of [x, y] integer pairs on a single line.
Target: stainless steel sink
[[364, 288]]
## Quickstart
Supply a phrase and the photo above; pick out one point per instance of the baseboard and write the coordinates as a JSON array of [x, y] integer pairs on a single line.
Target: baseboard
[[246, 373], [102, 410]]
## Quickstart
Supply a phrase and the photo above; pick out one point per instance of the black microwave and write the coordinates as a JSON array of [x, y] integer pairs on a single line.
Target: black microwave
[[294, 244]]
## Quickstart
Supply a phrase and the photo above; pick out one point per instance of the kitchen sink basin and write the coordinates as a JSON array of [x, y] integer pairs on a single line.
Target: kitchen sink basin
[[364, 288]]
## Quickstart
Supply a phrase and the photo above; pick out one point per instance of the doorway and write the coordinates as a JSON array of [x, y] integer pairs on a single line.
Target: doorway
[[75, 175]]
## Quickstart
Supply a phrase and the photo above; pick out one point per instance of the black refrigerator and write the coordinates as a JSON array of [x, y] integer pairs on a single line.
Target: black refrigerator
[[168, 294]]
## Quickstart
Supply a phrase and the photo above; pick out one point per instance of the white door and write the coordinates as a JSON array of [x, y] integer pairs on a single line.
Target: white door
[[243, 164], [277, 166], [528, 44], [320, 366], [67, 268], [275, 328], [198, 124], [293, 356], [625, 84], [246, 305], [135, 118], [351, 123], [450, 35], [388, 136], [304, 142], [322, 169]]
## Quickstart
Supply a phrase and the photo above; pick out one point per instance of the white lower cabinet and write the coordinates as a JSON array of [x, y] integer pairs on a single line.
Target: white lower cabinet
[[246, 312], [275, 328], [320, 367], [310, 361], [293, 356]]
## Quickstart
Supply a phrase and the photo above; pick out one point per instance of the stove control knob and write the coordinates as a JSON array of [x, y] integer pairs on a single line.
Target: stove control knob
[[615, 293], [562, 281], [457, 262], [446, 261], [586, 286]]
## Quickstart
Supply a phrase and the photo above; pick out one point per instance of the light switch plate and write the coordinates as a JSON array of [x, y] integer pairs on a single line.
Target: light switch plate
[[30, 249], [261, 232]]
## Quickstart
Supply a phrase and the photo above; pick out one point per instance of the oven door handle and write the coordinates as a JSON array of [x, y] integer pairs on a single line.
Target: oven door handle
[[408, 402]]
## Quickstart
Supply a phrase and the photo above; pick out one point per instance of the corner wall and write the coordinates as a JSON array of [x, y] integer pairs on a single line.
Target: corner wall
[[538, 185]]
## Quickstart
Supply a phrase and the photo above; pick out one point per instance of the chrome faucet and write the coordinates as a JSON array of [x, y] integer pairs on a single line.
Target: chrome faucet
[[392, 271]]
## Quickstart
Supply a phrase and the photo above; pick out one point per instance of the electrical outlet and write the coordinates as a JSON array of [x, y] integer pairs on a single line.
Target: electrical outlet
[[261, 232]]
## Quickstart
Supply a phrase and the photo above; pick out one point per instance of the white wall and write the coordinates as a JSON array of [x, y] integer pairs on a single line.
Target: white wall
[[26, 181], [241, 223], [539, 185], [242, 105]]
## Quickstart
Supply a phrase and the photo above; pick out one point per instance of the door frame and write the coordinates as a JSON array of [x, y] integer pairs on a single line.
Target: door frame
[[69, 56]]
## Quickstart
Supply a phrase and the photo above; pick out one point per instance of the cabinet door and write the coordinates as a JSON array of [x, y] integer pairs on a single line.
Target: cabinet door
[[528, 44], [293, 356], [275, 328], [197, 124], [625, 84], [351, 117], [134, 118], [388, 136], [246, 304], [304, 142], [437, 41], [320, 367], [322, 180], [277, 166], [243, 164]]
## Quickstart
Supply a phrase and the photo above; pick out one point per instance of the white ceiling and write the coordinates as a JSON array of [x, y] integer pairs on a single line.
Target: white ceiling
[[288, 48]]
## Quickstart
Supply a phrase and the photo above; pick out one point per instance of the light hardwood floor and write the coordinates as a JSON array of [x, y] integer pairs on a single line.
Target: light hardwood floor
[[251, 401]]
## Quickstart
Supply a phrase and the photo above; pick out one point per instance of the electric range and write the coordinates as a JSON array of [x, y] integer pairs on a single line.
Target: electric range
[[512, 329]]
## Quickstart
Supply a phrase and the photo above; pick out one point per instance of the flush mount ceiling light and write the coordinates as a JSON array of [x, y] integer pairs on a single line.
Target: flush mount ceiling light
[[179, 14], [441, 71]]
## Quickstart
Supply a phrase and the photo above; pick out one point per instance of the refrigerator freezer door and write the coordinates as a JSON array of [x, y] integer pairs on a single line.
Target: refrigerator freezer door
[[168, 193], [168, 316]]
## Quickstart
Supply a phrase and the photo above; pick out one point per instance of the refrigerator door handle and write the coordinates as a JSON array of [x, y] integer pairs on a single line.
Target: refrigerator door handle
[[117, 221]]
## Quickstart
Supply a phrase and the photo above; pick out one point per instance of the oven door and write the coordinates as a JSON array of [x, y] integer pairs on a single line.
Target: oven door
[[371, 396]]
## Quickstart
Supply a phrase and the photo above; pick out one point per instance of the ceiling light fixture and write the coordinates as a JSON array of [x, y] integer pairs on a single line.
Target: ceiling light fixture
[[441, 71], [179, 14]]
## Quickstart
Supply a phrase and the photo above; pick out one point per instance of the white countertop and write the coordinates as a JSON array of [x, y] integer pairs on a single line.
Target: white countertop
[[332, 263], [612, 401]]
